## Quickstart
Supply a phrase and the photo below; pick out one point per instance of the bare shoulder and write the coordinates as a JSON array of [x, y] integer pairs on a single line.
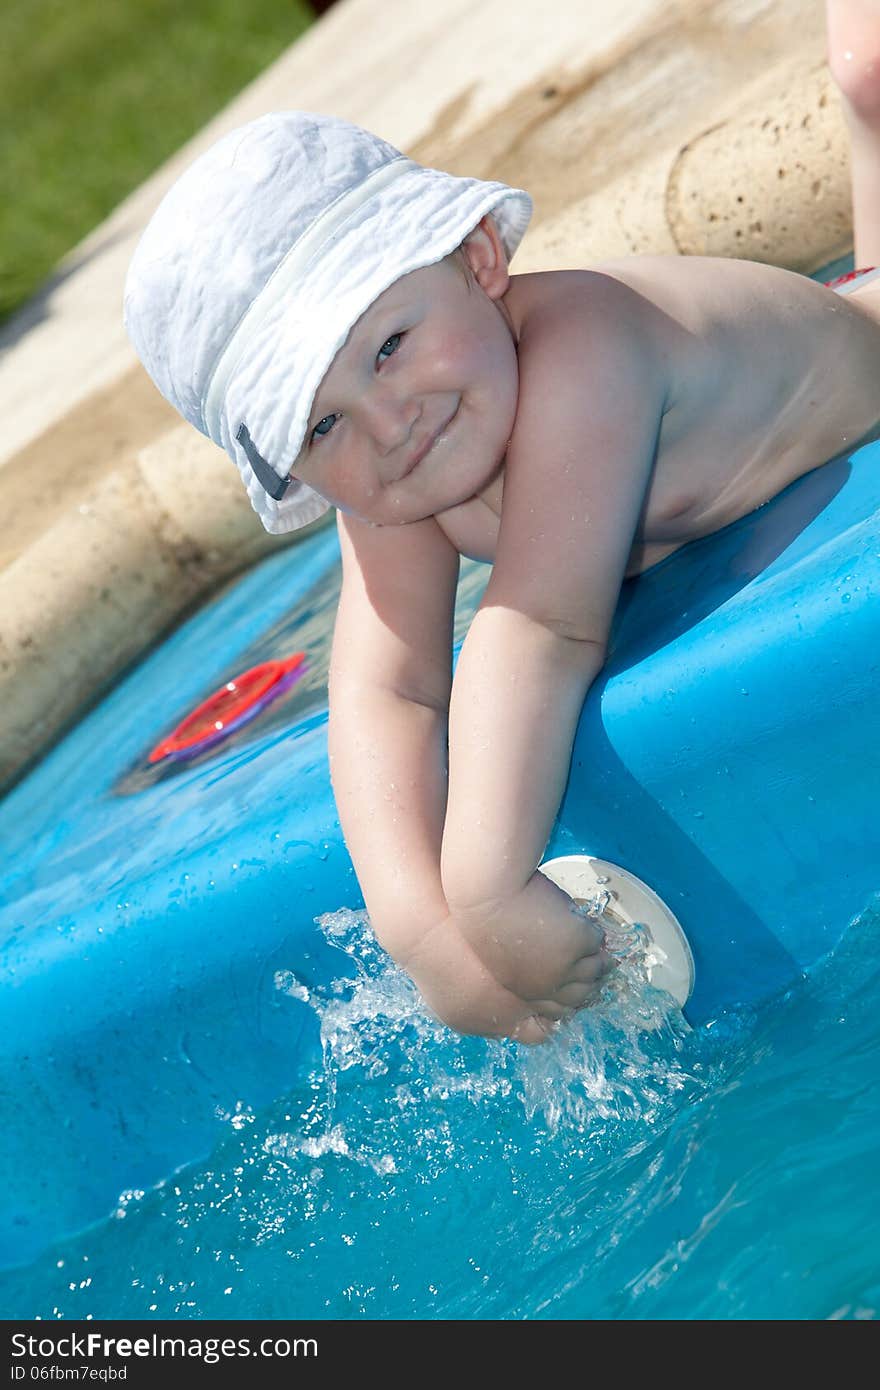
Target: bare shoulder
[[392, 563], [594, 380], [579, 301], [664, 293], [398, 595], [586, 341], [585, 333]]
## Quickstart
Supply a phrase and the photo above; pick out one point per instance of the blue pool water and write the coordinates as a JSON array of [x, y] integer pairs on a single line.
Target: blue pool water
[[625, 1172], [301, 1141]]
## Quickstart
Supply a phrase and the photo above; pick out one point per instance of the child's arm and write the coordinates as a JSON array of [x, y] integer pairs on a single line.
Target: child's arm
[[389, 694], [592, 396]]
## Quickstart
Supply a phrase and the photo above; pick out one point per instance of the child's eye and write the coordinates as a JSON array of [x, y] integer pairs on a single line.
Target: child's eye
[[390, 346], [324, 426]]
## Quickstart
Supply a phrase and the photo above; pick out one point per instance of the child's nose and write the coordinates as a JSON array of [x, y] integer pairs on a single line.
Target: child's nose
[[389, 416]]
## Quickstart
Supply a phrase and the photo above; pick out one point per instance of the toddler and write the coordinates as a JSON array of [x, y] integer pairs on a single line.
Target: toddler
[[343, 322]]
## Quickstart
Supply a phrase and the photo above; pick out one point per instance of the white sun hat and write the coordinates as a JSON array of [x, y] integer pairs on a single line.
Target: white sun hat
[[259, 261]]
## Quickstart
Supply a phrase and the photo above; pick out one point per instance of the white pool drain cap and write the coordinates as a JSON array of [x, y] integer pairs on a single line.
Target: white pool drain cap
[[631, 904]]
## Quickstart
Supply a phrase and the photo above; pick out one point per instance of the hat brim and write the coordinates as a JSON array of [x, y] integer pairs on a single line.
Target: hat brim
[[423, 217]]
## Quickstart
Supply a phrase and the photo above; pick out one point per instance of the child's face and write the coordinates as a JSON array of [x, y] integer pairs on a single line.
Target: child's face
[[416, 411]]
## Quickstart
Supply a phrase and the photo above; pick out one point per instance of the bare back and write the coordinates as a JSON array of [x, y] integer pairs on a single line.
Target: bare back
[[768, 375]]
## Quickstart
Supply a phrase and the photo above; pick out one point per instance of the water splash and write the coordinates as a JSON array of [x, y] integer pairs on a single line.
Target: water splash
[[625, 1169], [618, 1061]]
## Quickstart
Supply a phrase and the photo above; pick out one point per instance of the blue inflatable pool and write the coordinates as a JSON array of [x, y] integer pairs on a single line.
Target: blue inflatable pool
[[727, 758]]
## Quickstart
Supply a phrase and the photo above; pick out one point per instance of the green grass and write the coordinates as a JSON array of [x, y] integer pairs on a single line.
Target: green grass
[[95, 94]]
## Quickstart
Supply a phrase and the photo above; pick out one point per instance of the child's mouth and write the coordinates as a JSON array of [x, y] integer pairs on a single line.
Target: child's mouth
[[426, 446]]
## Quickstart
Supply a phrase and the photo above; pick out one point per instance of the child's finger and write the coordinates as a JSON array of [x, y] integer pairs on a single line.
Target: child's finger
[[551, 1010], [533, 1030], [590, 968], [590, 934], [575, 996]]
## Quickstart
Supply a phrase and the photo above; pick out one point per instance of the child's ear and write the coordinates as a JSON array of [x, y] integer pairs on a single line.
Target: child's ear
[[484, 252]]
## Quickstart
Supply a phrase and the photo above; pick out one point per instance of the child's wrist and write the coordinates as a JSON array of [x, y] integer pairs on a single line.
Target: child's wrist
[[501, 898]]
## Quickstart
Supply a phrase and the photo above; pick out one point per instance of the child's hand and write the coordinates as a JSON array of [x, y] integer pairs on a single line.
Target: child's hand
[[514, 969], [538, 946]]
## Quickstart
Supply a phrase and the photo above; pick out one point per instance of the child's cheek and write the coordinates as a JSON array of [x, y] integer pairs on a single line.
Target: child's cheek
[[449, 356]]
